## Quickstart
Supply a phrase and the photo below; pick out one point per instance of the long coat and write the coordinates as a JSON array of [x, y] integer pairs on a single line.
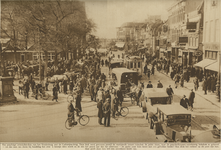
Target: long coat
[[100, 111], [78, 102], [191, 98], [91, 88], [205, 85]]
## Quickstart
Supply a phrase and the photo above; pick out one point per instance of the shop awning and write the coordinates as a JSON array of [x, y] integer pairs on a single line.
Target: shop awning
[[120, 44], [205, 63], [214, 67]]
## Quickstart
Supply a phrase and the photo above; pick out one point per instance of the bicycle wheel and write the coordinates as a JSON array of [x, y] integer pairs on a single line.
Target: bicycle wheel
[[124, 111], [45, 96], [39, 96], [69, 98], [67, 125], [83, 120]]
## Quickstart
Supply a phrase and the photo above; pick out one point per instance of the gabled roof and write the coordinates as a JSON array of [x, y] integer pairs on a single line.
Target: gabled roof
[[10, 47]]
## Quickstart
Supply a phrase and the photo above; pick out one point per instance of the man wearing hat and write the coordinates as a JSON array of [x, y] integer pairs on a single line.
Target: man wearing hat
[[184, 102], [78, 101], [149, 85], [106, 110], [100, 111], [159, 84], [100, 94], [55, 93]]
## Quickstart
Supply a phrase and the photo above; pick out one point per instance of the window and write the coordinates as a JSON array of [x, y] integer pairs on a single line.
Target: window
[[214, 55], [131, 64], [197, 41], [194, 41], [217, 28], [210, 55], [206, 54], [35, 56], [138, 64]]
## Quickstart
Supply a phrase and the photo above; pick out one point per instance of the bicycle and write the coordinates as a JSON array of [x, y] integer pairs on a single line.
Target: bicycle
[[83, 120], [123, 111], [42, 94]]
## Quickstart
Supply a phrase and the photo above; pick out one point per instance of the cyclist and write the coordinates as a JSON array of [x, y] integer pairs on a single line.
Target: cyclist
[[71, 117]]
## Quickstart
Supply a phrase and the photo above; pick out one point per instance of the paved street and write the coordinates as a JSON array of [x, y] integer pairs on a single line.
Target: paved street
[[43, 120]]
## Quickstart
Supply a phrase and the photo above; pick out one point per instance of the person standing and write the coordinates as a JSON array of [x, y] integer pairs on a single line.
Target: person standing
[[106, 111], [213, 84], [71, 86], [170, 92], [152, 70], [78, 102], [91, 90], [95, 91], [26, 87], [55, 93], [64, 83], [148, 73], [184, 102], [145, 69], [159, 84], [204, 86], [120, 96], [100, 111], [182, 81], [196, 84], [191, 99]]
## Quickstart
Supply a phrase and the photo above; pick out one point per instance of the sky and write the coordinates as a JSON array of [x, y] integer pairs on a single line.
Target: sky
[[109, 14]]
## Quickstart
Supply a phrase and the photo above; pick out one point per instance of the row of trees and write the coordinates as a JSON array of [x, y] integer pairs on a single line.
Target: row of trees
[[49, 25]]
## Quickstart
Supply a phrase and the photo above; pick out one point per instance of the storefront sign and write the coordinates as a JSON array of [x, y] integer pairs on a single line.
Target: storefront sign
[[211, 46], [198, 53], [183, 39]]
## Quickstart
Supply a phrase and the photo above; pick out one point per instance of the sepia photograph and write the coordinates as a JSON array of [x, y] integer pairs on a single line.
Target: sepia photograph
[[112, 71]]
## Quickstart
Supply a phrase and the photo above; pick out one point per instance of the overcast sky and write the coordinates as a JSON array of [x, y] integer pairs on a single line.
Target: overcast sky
[[109, 14]]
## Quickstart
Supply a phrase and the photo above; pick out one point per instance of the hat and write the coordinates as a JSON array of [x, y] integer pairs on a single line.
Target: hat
[[149, 81], [184, 95]]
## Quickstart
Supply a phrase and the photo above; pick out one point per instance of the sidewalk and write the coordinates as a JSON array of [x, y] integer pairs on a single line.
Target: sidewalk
[[210, 97]]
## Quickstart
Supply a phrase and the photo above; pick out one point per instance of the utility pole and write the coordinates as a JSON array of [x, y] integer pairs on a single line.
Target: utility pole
[[39, 54]]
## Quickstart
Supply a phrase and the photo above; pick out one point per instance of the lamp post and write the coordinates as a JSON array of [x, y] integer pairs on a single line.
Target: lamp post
[[218, 79]]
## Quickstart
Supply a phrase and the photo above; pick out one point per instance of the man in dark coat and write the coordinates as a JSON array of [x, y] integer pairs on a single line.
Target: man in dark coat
[[148, 73], [64, 83], [26, 87], [159, 84], [196, 83], [145, 69], [213, 84], [106, 110], [55, 93], [184, 102], [120, 96], [152, 70], [91, 90], [205, 86], [78, 102], [96, 87], [191, 99], [100, 111], [170, 92], [149, 85]]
